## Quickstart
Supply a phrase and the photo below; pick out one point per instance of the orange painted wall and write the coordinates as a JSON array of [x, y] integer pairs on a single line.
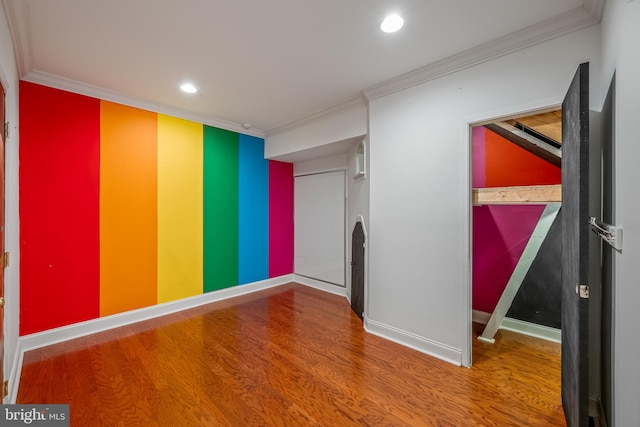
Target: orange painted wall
[[128, 208], [509, 165]]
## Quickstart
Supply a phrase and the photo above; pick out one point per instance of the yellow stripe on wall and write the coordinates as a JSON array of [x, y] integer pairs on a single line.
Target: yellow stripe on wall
[[128, 250], [180, 174]]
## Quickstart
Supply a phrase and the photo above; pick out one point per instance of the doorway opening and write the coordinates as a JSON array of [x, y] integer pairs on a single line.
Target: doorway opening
[[516, 248], [516, 269], [575, 248]]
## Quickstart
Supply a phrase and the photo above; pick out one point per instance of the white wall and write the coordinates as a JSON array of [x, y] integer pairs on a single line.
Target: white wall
[[357, 193], [322, 164], [621, 33], [332, 128], [357, 207], [419, 280], [350, 124], [9, 76]]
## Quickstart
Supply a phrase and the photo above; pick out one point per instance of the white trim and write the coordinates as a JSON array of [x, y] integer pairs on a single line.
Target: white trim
[[531, 329], [466, 261], [346, 271], [20, 28], [568, 22], [489, 340], [322, 171], [480, 316], [64, 333], [503, 114], [51, 80], [594, 8], [416, 342], [16, 371], [557, 26], [323, 286], [360, 219], [89, 327]]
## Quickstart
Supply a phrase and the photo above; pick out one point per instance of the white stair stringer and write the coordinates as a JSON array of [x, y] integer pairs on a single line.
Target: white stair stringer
[[519, 273]]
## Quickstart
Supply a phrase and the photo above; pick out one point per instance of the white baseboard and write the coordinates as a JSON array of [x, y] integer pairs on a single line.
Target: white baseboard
[[319, 284], [421, 344], [531, 329], [77, 330], [480, 317], [16, 371]]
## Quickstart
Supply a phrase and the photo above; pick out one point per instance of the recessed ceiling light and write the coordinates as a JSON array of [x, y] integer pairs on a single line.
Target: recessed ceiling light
[[392, 23], [188, 88]]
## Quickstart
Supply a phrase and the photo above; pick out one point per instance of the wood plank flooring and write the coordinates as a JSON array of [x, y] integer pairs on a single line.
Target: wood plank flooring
[[288, 356]]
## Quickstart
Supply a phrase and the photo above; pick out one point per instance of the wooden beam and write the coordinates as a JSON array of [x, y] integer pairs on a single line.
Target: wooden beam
[[532, 194], [530, 143], [549, 124]]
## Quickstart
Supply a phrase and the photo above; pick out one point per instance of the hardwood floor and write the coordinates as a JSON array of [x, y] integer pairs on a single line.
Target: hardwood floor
[[288, 356]]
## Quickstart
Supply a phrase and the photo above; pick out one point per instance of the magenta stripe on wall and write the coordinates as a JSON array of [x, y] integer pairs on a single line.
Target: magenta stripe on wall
[[280, 218], [500, 234], [479, 158]]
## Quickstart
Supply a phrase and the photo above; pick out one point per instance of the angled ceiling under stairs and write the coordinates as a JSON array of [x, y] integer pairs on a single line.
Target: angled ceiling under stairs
[[539, 134]]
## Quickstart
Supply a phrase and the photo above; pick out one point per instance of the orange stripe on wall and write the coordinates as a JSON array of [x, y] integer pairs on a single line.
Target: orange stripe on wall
[[508, 164], [128, 212]]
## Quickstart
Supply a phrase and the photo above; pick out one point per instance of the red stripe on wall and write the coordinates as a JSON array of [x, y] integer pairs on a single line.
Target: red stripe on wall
[[59, 208], [280, 218]]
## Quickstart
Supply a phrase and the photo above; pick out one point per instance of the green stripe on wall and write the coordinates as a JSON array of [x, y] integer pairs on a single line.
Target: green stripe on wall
[[220, 209]]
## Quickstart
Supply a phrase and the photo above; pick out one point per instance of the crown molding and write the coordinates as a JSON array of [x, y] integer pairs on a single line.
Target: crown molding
[[594, 8], [74, 86], [565, 23], [344, 107], [19, 26]]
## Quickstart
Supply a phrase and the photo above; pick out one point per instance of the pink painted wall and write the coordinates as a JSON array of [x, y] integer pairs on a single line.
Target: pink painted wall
[[500, 234], [479, 157]]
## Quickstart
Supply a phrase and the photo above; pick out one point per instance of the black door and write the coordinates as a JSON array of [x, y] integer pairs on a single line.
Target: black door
[[575, 248], [357, 270]]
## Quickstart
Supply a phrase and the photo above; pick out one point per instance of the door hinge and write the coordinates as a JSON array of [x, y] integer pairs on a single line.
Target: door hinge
[[583, 291], [5, 260], [6, 130], [5, 389]]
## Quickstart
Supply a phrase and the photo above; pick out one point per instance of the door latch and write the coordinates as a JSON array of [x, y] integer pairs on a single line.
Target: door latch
[[583, 291]]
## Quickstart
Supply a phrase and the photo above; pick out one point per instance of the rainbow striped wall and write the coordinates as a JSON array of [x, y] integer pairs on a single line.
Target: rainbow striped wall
[[122, 208]]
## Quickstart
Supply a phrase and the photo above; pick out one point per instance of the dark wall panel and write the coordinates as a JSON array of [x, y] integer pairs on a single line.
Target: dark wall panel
[[538, 299]]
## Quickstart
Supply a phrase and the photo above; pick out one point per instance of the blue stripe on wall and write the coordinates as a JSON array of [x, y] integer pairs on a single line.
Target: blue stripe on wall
[[253, 203]]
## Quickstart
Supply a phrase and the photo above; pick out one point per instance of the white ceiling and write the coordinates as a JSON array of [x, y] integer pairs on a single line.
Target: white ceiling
[[264, 62]]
